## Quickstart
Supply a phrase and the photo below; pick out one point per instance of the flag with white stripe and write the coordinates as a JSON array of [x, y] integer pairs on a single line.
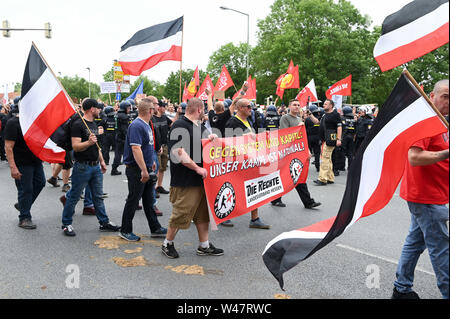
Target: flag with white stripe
[[417, 29], [43, 108], [150, 46], [405, 118]]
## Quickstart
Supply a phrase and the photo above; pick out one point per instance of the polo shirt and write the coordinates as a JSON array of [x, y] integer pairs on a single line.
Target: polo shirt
[[139, 134]]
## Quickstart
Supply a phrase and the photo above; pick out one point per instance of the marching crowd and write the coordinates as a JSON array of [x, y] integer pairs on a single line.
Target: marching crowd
[[139, 134]]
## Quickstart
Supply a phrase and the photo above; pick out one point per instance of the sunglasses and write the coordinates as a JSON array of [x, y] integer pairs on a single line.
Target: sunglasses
[[248, 106]]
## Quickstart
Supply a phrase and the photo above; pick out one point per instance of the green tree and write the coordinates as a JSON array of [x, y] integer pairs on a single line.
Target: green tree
[[325, 38], [78, 88]]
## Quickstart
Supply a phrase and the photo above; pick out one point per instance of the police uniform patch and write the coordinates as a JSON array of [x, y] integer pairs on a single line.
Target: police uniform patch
[[225, 201]]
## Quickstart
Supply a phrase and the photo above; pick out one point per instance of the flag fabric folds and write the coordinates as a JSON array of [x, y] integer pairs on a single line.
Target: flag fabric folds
[[251, 91], [373, 177], [139, 90], [288, 80], [43, 108], [150, 46], [308, 94], [342, 87], [191, 89], [417, 29], [207, 84], [225, 81]]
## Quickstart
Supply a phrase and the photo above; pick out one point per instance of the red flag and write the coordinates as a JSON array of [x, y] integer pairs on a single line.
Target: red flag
[[207, 84], [288, 80], [343, 87], [224, 82], [185, 93], [251, 92], [308, 94], [192, 87]]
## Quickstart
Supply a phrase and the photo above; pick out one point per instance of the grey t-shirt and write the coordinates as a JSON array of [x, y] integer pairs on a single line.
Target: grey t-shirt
[[289, 120]]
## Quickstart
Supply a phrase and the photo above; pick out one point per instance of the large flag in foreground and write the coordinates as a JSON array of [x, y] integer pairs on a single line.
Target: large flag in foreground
[[43, 108], [375, 173], [417, 29], [148, 47]]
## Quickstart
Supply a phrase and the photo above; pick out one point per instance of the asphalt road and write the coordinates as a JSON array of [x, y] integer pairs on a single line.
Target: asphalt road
[[44, 264]]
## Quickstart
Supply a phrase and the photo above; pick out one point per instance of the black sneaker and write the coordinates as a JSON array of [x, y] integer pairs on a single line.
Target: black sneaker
[[210, 251], [312, 205], [68, 230], [169, 251], [27, 224], [279, 204], [160, 233], [115, 172], [109, 227], [399, 295], [319, 183], [53, 181], [161, 190]]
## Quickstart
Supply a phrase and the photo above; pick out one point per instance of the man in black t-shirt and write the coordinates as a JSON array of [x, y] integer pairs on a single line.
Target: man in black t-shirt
[[88, 169], [26, 170], [161, 124], [330, 125], [187, 192]]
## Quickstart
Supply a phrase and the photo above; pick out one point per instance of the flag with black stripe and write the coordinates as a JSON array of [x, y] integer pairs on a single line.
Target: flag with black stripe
[[417, 29], [405, 118]]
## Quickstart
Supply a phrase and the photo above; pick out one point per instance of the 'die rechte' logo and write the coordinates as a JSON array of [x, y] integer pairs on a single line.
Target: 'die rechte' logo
[[296, 168], [225, 201]]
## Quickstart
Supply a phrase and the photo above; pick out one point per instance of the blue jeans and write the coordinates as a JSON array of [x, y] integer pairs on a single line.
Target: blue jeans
[[29, 186], [83, 175], [428, 230], [87, 196]]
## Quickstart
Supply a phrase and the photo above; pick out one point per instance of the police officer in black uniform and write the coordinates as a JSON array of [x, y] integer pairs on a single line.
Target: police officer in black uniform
[[123, 121], [109, 133], [363, 125], [100, 121], [312, 131], [133, 111], [348, 133]]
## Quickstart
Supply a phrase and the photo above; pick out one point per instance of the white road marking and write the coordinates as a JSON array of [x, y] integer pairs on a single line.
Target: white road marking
[[392, 261]]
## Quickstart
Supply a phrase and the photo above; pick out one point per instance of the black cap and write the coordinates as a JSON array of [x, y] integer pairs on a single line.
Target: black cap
[[89, 103], [162, 103]]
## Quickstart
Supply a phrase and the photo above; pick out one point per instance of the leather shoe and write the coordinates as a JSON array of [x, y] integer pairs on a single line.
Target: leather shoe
[[62, 199], [89, 211], [312, 205], [319, 183]]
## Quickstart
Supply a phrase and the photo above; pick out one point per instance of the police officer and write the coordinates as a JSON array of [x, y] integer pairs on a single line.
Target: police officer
[[100, 121], [109, 133], [312, 125], [272, 122], [348, 133], [123, 121], [363, 125], [133, 111]]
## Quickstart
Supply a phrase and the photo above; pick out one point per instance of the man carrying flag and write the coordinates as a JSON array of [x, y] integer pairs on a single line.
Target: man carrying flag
[[44, 106], [425, 187], [405, 118]]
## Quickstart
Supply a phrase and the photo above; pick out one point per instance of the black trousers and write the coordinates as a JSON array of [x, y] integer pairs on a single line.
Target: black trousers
[[348, 144], [305, 196], [108, 143], [338, 159], [314, 147], [118, 153], [136, 191]]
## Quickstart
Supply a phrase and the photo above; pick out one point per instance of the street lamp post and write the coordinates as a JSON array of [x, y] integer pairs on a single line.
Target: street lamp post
[[89, 69], [248, 33]]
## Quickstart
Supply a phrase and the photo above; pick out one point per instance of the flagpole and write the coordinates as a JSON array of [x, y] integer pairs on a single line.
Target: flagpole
[[417, 86], [64, 90], [181, 62]]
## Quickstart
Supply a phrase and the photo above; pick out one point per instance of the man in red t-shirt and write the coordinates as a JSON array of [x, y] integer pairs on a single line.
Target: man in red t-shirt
[[425, 187]]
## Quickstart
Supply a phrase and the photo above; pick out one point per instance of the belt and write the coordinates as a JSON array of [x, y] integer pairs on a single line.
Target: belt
[[90, 163]]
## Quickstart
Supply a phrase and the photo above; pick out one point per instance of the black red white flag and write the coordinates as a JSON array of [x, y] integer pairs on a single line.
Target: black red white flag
[[406, 117], [150, 46], [43, 108], [415, 30]]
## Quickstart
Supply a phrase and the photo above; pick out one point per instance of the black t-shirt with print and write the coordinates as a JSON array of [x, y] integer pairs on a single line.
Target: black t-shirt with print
[[78, 129]]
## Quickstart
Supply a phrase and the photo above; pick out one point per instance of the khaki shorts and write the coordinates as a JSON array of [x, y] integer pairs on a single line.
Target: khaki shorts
[[163, 158], [188, 204]]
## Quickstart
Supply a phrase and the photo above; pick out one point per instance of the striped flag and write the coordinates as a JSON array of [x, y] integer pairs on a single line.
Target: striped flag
[[43, 108], [417, 29], [373, 177], [148, 47]]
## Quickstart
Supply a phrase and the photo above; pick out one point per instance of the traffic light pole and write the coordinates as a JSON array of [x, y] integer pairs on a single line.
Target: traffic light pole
[[6, 29]]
